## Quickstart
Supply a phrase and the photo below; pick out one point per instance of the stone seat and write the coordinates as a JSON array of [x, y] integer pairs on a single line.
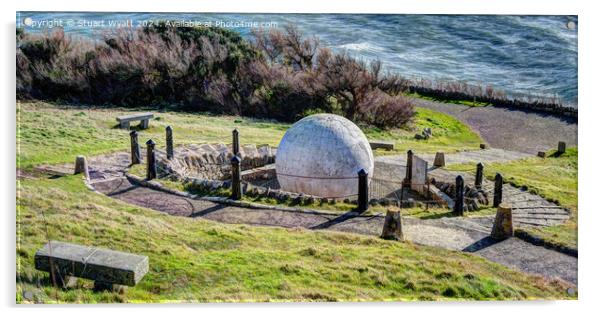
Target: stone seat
[[107, 268], [376, 144], [124, 120]]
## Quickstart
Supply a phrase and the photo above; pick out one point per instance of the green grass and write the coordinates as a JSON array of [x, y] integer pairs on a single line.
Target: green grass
[[554, 178], [199, 260], [449, 134], [471, 103], [50, 134]]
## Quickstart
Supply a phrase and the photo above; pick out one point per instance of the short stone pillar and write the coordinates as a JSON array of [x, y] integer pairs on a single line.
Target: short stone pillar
[[561, 148], [236, 178], [459, 202], [408, 179], [502, 226], [135, 148], [392, 229], [497, 190], [151, 162], [235, 143], [439, 159], [81, 166], [169, 142], [478, 179], [362, 190]]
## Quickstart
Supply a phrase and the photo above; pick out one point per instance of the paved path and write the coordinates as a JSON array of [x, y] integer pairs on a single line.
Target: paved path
[[519, 130], [489, 155], [527, 209], [461, 234]]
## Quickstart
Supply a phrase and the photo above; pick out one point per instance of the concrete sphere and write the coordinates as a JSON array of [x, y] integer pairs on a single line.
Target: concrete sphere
[[321, 155]]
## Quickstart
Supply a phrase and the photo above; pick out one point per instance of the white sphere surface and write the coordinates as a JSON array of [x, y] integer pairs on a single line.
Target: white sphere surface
[[321, 155]]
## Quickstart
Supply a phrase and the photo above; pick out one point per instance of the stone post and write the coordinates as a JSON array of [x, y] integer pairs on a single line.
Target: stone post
[[478, 180], [459, 202], [151, 163], [235, 143], [81, 166], [561, 148], [236, 178], [392, 229], [497, 190], [502, 226], [362, 190], [408, 179], [439, 159], [134, 147], [169, 142]]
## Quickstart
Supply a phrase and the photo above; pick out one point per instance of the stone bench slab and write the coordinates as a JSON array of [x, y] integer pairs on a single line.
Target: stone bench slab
[[100, 265], [376, 144], [144, 118], [135, 117]]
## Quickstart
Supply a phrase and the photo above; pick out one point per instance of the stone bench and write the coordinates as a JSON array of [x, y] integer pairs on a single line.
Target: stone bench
[[108, 269], [124, 120], [376, 144]]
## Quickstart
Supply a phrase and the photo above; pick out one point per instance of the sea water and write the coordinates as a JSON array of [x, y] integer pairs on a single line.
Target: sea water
[[521, 55]]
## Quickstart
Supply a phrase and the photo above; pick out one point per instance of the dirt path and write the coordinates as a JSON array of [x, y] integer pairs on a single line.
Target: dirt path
[[465, 234], [505, 128]]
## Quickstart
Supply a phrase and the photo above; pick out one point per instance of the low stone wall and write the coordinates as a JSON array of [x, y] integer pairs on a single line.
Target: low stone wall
[[212, 161], [473, 198]]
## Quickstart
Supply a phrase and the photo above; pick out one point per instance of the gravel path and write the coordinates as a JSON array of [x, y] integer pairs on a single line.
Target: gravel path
[[519, 130], [461, 234]]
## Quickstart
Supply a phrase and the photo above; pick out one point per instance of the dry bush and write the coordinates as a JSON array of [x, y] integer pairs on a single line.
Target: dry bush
[[382, 110], [279, 75]]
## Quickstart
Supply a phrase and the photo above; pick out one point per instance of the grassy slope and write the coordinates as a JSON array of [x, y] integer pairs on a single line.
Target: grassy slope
[[67, 132], [554, 178], [194, 259]]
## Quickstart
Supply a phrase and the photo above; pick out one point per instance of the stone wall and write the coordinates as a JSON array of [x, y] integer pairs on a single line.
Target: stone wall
[[473, 197], [212, 161]]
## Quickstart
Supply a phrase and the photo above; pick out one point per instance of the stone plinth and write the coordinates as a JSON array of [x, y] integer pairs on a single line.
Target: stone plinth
[[439, 159], [392, 227], [502, 226]]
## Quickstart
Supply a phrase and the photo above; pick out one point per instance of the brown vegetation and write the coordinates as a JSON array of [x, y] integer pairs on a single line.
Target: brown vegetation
[[279, 75]]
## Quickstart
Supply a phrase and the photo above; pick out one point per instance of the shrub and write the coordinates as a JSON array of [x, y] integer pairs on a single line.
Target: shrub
[[279, 75]]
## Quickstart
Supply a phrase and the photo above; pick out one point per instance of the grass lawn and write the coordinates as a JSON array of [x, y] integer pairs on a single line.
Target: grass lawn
[[199, 260], [471, 103], [554, 178], [51, 134]]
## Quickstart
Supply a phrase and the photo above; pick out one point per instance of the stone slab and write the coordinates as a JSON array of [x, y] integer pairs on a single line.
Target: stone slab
[[102, 265], [376, 144], [135, 117], [419, 170]]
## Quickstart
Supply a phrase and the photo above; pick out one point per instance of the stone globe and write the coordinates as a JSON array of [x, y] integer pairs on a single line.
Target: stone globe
[[321, 155]]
